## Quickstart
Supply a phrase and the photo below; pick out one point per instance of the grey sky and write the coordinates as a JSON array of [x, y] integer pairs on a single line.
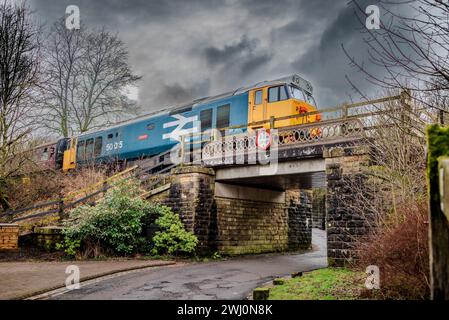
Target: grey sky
[[189, 49]]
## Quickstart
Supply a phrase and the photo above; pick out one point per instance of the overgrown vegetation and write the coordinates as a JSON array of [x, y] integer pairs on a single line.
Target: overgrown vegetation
[[394, 199], [116, 225], [78, 77], [400, 249], [45, 185]]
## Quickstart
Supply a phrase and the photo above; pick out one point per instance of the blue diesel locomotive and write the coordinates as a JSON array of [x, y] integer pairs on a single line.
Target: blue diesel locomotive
[[155, 133]]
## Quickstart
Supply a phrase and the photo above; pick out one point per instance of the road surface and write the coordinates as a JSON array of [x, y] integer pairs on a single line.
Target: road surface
[[229, 279]]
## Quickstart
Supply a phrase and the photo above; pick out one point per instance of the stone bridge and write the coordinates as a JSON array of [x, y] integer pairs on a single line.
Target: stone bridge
[[239, 198]]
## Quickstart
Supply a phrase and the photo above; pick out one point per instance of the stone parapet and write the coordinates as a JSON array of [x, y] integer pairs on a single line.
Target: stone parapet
[[47, 238]]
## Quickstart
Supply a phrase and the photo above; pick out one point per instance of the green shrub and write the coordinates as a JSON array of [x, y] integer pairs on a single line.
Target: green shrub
[[116, 224], [172, 238], [69, 246], [113, 225]]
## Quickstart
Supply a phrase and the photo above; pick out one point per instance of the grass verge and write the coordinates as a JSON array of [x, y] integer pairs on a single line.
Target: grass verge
[[323, 284]]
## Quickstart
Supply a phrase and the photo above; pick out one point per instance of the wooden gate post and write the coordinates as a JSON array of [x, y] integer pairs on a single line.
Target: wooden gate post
[[61, 208], [438, 189]]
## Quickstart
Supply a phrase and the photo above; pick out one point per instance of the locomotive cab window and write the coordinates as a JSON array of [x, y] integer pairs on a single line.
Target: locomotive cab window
[[223, 113], [277, 94], [258, 97], [98, 145], [110, 136], [80, 152], [206, 119], [297, 93], [309, 99], [283, 93]]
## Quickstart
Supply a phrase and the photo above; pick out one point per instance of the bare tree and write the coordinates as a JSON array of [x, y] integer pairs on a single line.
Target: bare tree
[[86, 72], [104, 74], [61, 72], [411, 48], [19, 64]]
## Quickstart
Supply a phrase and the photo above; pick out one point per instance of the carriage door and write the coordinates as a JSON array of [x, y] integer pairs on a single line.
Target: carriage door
[[257, 106], [69, 161]]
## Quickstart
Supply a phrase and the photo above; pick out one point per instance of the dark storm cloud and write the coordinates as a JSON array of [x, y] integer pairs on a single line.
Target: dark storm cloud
[[255, 62], [175, 94], [242, 55], [119, 12], [187, 49], [215, 56], [327, 66]]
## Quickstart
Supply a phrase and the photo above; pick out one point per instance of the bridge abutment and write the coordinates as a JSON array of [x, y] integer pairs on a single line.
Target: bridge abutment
[[237, 219], [346, 178], [191, 195]]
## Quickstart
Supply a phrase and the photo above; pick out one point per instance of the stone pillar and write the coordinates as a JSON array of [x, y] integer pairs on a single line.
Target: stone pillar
[[345, 225], [299, 209], [9, 236], [192, 197]]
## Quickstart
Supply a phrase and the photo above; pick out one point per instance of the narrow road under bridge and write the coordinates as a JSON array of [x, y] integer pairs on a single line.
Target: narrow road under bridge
[[231, 279]]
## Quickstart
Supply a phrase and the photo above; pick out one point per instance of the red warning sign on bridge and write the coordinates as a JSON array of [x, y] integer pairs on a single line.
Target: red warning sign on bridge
[[263, 139]]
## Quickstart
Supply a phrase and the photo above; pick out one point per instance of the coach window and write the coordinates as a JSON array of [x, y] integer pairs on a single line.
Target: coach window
[[258, 97], [45, 156], [89, 148], [223, 116], [206, 119], [98, 145], [80, 150]]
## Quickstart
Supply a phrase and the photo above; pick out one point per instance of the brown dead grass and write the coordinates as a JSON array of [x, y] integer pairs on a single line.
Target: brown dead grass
[[400, 249]]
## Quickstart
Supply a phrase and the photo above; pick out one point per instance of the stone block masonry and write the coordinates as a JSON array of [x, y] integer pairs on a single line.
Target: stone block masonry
[[234, 219], [345, 225], [256, 220], [191, 196], [248, 226], [299, 210], [48, 237], [9, 236]]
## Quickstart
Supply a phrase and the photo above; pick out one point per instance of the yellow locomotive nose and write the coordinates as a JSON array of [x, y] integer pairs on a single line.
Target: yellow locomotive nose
[[305, 109]]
